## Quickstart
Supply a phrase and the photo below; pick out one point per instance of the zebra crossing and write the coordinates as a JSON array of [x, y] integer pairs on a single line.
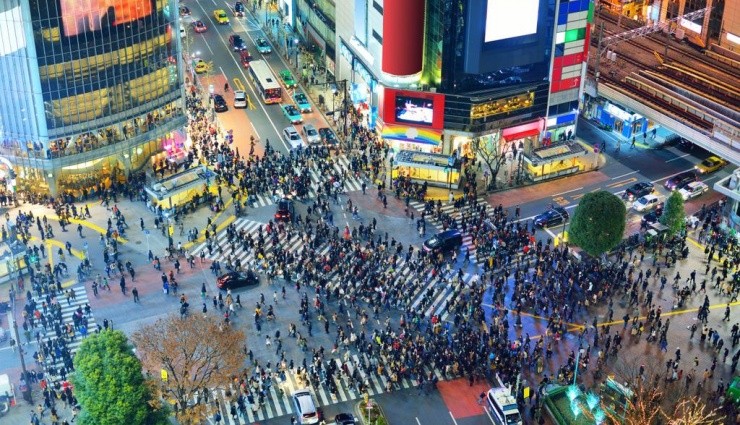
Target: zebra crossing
[[457, 214], [278, 401], [430, 294], [68, 306], [340, 163]]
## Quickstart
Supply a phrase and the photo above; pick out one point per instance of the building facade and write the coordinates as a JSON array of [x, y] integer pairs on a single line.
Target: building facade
[[441, 76], [89, 91]]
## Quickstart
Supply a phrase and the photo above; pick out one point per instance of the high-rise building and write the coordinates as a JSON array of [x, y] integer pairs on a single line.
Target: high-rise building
[[89, 90], [444, 75]]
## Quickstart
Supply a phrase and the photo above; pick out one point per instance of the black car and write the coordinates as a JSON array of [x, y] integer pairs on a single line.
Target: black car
[[285, 210], [551, 217], [638, 190], [237, 43], [219, 103], [233, 280], [328, 136], [443, 242], [344, 419], [652, 216], [238, 9], [680, 180]]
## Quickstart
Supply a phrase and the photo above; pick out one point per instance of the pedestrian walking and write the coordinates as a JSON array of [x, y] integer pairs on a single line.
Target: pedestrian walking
[[135, 293]]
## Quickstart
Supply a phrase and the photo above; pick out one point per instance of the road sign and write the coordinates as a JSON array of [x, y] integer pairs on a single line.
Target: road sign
[[146, 232]]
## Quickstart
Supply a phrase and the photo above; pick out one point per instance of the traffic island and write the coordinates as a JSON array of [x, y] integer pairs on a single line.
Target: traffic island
[[370, 413], [568, 405]]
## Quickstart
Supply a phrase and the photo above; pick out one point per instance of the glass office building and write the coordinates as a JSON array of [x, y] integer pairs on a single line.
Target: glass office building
[[89, 90]]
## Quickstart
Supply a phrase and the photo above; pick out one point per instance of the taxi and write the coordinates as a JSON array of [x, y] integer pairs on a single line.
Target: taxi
[[220, 16], [200, 66], [302, 102], [710, 165], [288, 79]]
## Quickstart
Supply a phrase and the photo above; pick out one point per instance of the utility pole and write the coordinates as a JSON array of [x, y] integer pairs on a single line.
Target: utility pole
[[598, 50]]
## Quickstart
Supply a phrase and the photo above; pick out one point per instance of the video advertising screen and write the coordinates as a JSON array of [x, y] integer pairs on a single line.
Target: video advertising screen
[[414, 110], [508, 19], [81, 16]]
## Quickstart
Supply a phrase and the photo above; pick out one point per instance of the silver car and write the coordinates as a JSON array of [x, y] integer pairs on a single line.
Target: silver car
[[311, 134], [240, 99], [292, 138]]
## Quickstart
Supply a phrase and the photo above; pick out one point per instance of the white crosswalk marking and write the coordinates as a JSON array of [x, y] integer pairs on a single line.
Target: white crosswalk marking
[[457, 214], [276, 405], [68, 309], [340, 164]]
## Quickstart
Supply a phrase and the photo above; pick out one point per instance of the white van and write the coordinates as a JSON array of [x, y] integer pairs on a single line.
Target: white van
[[503, 407]]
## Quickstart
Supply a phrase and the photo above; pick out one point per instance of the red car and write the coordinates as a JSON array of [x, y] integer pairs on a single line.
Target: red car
[[199, 27], [245, 58]]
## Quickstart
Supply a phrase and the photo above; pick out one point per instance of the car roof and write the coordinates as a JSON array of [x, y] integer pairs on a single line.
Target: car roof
[[308, 127], [448, 233], [651, 196], [290, 129]]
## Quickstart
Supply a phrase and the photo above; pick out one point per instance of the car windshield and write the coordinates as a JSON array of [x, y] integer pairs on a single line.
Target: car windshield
[[311, 131], [433, 241], [513, 418]]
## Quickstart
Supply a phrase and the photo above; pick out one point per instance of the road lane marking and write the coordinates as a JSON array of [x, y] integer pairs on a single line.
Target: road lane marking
[[678, 157], [254, 91], [567, 191], [238, 84], [622, 183], [625, 174], [453, 419]]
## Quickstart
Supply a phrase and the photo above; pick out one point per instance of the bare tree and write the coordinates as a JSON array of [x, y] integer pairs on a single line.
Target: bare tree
[[193, 356], [489, 150], [693, 411]]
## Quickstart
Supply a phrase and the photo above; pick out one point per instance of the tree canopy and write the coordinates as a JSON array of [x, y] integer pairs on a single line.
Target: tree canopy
[[109, 384], [674, 216], [192, 356], [598, 222]]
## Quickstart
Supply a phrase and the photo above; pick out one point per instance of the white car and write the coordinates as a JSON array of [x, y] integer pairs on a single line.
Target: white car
[[646, 203], [240, 99], [305, 407], [692, 190], [292, 138], [311, 134]]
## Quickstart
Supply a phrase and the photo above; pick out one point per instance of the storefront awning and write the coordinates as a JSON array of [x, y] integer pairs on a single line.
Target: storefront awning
[[522, 131]]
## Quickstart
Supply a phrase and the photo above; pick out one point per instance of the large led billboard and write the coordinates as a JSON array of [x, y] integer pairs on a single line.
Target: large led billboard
[[509, 19], [81, 16], [508, 34], [413, 108]]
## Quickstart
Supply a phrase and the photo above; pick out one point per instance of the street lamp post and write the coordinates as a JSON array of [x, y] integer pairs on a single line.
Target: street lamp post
[[295, 47]]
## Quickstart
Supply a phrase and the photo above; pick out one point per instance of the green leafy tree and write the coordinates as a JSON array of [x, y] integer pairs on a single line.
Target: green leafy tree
[[598, 222], [674, 216], [109, 384]]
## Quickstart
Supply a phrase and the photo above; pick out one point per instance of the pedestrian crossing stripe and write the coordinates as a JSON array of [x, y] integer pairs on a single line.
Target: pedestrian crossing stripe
[[457, 214], [443, 288], [340, 164], [277, 403], [67, 310]]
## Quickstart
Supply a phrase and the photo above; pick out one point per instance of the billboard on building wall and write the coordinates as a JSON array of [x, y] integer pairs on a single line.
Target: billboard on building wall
[[508, 34], [81, 16], [413, 108], [509, 19]]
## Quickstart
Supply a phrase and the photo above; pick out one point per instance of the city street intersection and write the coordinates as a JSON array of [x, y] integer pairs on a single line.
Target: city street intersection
[[453, 401]]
